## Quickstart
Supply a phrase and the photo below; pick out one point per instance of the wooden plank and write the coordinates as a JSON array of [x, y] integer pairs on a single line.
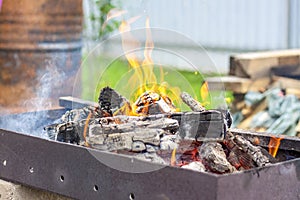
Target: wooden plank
[[245, 124], [232, 83], [293, 91], [285, 82], [237, 84], [259, 64]]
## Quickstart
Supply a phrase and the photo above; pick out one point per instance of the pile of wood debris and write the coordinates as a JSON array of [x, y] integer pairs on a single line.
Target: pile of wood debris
[[156, 135], [266, 87]]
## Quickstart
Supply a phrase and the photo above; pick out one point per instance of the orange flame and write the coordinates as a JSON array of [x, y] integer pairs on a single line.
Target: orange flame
[[86, 127], [274, 145], [173, 158]]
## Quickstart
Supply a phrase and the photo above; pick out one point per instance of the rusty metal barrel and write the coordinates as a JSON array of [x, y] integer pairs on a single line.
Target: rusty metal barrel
[[40, 48]]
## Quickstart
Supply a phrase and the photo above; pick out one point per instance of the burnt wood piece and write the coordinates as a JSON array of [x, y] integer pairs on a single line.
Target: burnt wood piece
[[130, 125], [287, 142], [125, 141], [255, 152], [191, 102], [214, 158], [239, 159], [110, 101], [81, 114], [69, 132], [207, 124], [126, 136]]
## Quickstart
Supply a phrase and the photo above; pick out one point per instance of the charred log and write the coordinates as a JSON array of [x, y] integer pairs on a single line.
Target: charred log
[[254, 152], [214, 158], [110, 101], [126, 141], [122, 125]]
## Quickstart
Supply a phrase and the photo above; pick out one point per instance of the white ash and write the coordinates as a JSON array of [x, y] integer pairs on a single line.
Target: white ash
[[196, 166], [169, 142], [150, 157], [151, 149]]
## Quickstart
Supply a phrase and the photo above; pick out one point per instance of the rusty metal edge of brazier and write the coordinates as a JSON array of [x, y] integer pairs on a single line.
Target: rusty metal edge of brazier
[[74, 172]]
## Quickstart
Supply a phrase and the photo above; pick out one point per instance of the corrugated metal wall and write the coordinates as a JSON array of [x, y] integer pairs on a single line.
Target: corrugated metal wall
[[294, 24], [230, 24]]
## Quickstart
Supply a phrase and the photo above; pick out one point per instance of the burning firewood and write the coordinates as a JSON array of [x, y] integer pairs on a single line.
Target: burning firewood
[[150, 103], [191, 102]]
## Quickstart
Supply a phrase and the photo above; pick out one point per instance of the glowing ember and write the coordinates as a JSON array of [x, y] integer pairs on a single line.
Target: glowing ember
[[274, 145]]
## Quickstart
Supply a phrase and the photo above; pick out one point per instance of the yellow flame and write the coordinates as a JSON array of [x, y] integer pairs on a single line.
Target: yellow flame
[[173, 158], [144, 78], [204, 93]]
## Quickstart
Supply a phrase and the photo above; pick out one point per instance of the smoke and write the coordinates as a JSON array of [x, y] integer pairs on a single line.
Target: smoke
[[50, 79]]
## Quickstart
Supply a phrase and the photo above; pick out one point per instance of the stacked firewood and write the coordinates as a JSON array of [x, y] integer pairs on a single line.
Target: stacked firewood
[[266, 87]]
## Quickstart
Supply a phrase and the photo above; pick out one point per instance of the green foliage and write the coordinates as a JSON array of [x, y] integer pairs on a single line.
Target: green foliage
[[102, 27]]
